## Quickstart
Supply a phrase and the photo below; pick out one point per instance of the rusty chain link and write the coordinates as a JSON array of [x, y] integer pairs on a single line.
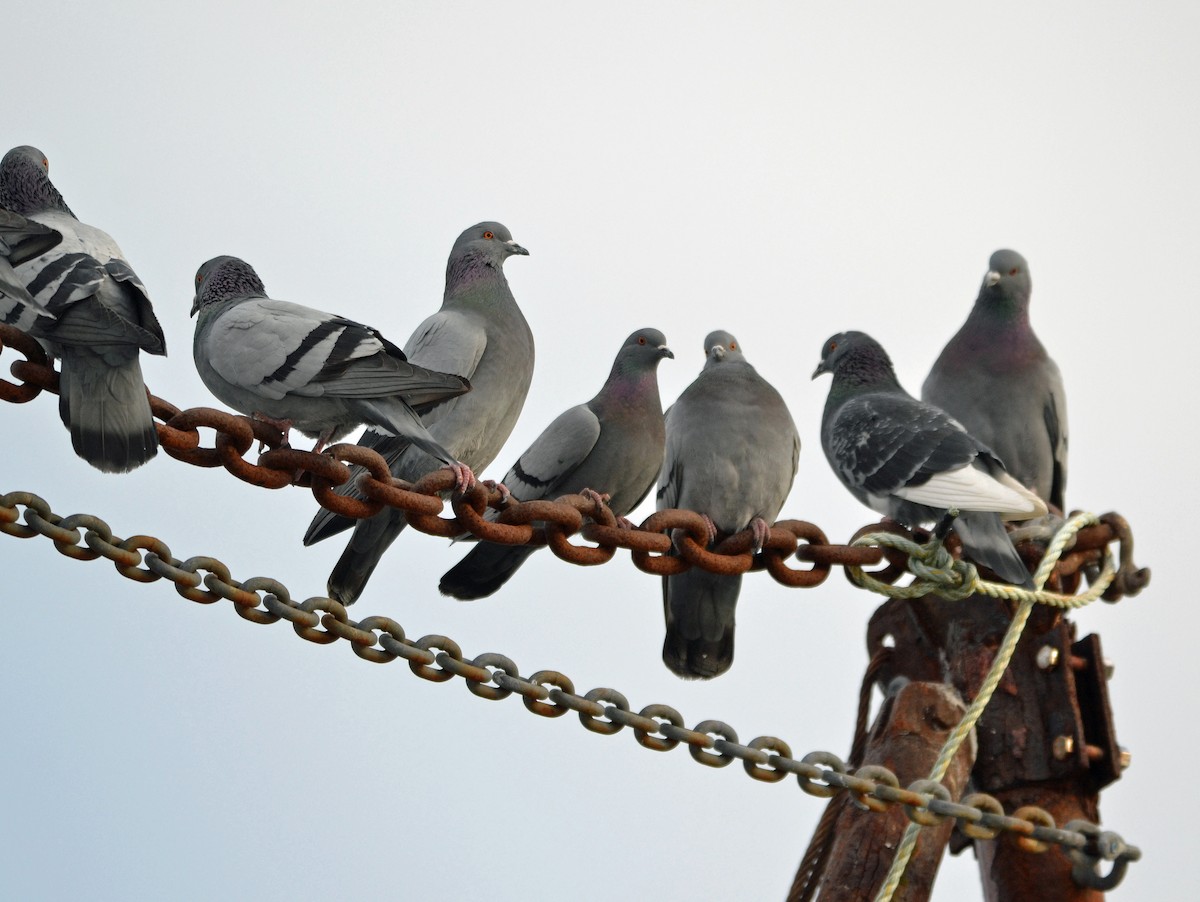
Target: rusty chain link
[[549, 693], [667, 542]]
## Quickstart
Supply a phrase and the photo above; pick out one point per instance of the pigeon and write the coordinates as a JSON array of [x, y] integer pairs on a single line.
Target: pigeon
[[293, 366], [996, 379], [480, 334], [22, 239], [612, 445], [914, 462], [732, 452], [95, 315]]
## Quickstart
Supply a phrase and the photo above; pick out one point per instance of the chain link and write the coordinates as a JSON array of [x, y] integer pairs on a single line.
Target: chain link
[[549, 693]]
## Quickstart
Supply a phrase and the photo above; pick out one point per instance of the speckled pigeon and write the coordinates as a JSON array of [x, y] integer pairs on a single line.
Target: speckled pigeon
[[911, 461], [294, 366], [612, 445], [732, 451], [101, 317], [22, 239], [996, 379], [479, 333]]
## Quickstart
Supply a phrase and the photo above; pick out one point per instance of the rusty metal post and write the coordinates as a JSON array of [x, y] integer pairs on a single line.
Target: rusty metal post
[[908, 734]]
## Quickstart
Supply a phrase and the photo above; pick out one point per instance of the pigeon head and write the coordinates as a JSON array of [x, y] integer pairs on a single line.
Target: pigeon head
[[642, 351], [719, 347], [485, 243], [855, 358], [25, 185], [1007, 283], [222, 278]]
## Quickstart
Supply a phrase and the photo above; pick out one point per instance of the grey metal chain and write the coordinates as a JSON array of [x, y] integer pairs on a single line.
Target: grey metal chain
[[552, 694]]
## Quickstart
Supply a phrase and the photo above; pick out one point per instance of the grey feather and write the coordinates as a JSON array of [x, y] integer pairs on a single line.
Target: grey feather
[[480, 334], [22, 239], [732, 452], [910, 460], [995, 377], [323, 374], [613, 444], [91, 311]]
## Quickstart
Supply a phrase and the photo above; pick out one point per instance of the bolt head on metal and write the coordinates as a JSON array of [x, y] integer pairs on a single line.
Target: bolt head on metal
[[1063, 747], [1047, 657], [1126, 757]]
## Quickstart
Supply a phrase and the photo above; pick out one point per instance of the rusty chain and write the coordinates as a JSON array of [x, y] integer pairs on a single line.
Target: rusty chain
[[550, 693], [667, 542]]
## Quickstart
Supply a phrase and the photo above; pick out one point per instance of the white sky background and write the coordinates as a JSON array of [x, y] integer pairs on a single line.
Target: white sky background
[[780, 173]]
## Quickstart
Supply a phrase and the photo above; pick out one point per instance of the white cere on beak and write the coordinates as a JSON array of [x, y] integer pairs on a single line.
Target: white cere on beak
[[718, 352], [992, 278]]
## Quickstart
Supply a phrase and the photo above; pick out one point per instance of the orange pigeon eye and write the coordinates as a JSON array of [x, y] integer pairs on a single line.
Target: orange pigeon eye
[[488, 235], [642, 340], [733, 346], [1013, 271], [199, 278]]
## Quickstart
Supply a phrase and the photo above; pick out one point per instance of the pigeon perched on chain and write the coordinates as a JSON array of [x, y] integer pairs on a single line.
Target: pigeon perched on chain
[[96, 317], [479, 333], [293, 366], [996, 379], [22, 239], [731, 455], [612, 445], [913, 462]]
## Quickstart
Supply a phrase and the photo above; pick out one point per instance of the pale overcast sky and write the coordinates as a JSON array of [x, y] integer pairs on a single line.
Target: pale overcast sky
[[782, 171]]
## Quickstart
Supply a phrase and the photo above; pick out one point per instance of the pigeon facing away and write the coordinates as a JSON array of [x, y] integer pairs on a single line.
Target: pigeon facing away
[[732, 451], [911, 461], [292, 365], [480, 334], [21, 239], [613, 445], [996, 379], [96, 317]]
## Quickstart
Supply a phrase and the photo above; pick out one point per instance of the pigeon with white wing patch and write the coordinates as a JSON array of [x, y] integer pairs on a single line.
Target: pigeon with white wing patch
[[911, 461]]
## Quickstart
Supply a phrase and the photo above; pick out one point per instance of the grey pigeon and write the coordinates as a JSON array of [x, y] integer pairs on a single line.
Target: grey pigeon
[[96, 317], [996, 379], [611, 445], [480, 334], [732, 451], [294, 366], [22, 239], [911, 461]]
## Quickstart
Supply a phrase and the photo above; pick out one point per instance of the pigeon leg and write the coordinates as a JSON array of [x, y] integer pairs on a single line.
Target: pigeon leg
[[284, 426], [463, 477], [761, 531]]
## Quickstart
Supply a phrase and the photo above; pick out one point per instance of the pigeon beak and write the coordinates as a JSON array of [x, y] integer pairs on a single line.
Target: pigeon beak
[[991, 278], [664, 351], [195, 307], [820, 370], [514, 248], [718, 352]]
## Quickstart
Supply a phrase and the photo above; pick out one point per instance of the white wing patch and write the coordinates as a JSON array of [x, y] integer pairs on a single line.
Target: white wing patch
[[969, 488]]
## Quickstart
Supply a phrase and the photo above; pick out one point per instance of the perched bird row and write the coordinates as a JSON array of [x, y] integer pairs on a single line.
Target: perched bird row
[[988, 439]]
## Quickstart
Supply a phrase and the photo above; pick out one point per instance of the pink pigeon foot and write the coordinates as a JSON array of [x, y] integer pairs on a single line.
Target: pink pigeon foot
[[463, 477], [761, 531], [284, 426], [505, 494]]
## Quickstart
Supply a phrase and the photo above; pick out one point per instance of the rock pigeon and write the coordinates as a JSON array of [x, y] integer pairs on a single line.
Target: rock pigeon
[[612, 445], [294, 366], [97, 317], [22, 239], [911, 461], [731, 455], [996, 379], [479, 333]]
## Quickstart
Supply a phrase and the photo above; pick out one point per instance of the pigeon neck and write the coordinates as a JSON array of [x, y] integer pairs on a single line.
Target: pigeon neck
[[1000, 309], [629, 382], [857, 372], [27, 190], [466, 271]]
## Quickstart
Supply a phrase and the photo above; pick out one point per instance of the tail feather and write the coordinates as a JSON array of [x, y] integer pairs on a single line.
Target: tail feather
[[371, 538], [403, 422], [103, 402], [699, 608], [985, 541], [484, 570]]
